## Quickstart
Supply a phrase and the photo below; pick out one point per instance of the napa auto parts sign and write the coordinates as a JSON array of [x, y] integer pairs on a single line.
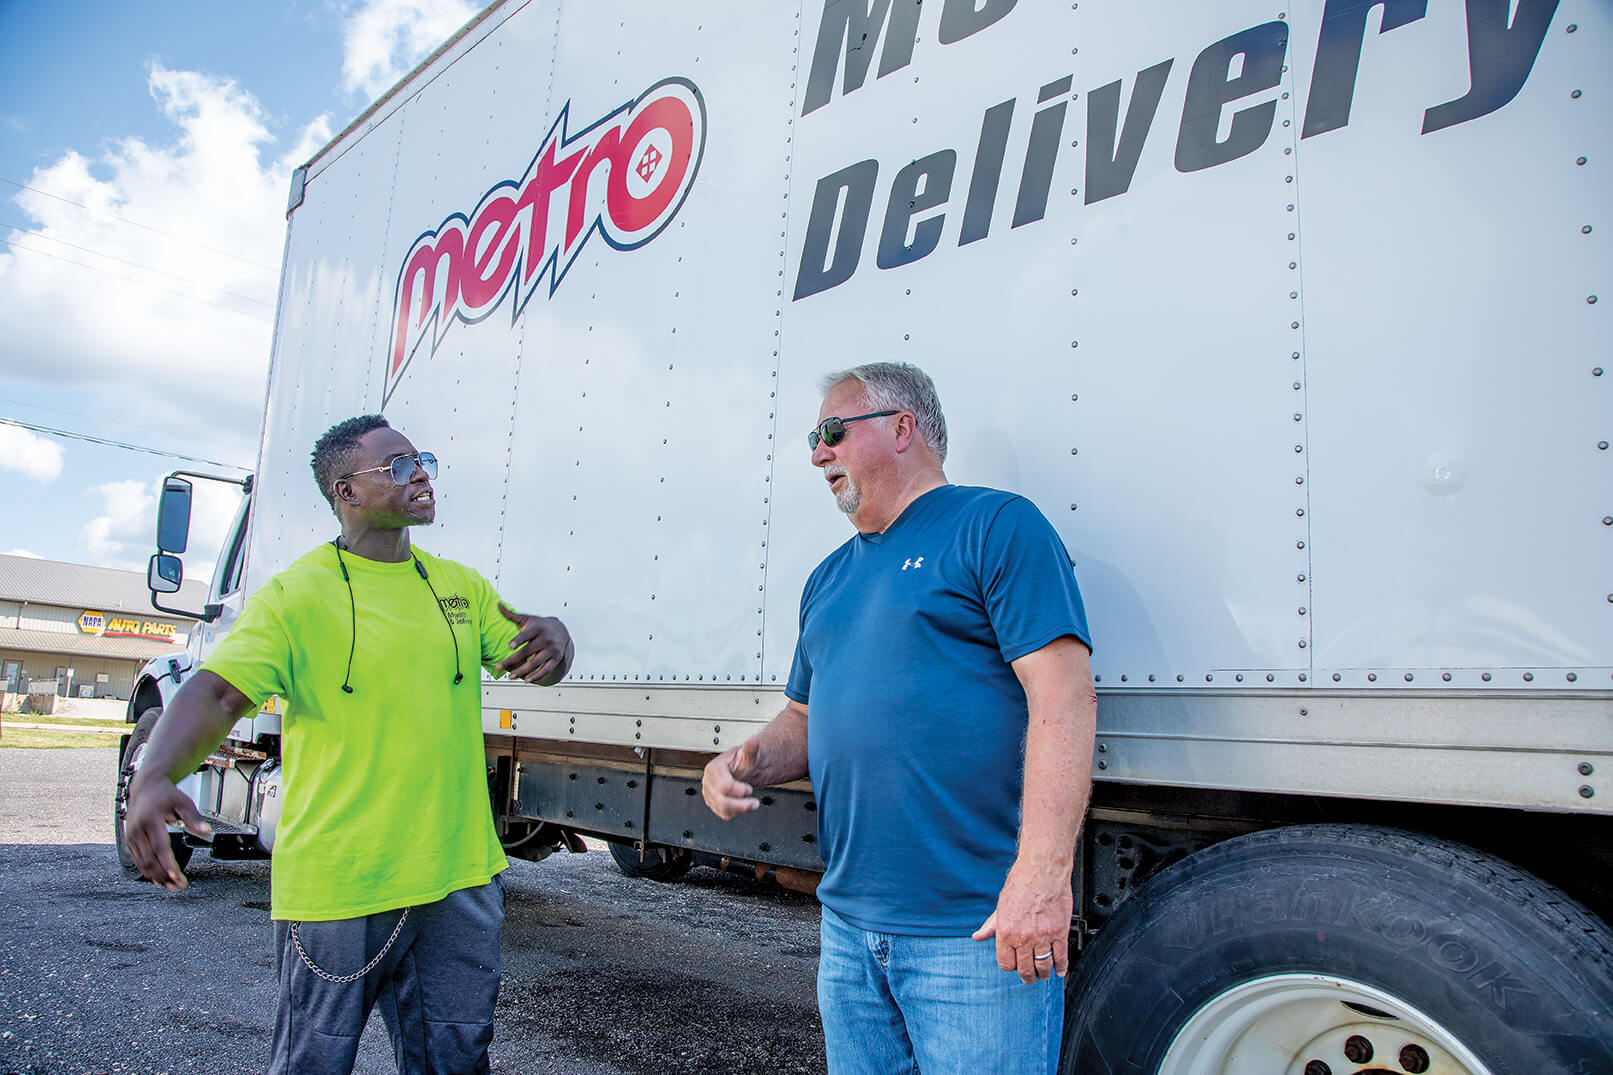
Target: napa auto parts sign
[[624, 177], [96, 623]]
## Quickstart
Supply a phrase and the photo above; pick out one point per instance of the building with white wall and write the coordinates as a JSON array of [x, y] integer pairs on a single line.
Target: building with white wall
[[88, 629]]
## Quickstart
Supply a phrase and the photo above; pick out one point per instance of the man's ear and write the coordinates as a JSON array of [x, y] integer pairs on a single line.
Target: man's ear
[[906, 431], [344, 492]]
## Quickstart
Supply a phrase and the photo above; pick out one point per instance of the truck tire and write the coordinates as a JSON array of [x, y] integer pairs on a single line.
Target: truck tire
[[126, 767], [658, 863], [1339, 948]]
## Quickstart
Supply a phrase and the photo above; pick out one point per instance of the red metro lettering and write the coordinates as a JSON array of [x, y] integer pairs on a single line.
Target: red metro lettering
[[625, 176]]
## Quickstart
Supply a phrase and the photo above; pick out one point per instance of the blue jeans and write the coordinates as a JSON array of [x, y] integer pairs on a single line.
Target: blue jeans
[[436, 986], [893, 1003]]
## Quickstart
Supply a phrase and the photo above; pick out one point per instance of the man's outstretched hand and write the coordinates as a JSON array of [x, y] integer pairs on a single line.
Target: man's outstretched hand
[[542, 649], [726, 794], [154, 804]]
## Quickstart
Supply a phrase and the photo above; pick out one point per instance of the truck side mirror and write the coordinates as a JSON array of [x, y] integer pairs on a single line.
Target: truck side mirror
[[164, 574], [173, 526]]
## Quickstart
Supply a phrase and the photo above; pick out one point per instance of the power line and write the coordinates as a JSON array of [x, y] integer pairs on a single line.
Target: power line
[[133, 264], [118, 444], [81, 414], [137, 224], [130, 279]]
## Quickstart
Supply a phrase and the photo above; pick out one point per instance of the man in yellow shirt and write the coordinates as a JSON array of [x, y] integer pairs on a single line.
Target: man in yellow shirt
[[385, 879]]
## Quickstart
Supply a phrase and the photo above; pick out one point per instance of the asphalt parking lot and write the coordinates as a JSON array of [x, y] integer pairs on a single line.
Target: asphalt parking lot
[[602, 974]]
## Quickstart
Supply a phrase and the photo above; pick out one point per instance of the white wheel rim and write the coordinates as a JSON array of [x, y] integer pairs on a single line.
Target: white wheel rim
[[1289, 1022], [126, 776]]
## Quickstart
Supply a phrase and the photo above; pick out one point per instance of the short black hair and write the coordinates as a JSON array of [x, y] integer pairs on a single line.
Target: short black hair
[[333, 453]]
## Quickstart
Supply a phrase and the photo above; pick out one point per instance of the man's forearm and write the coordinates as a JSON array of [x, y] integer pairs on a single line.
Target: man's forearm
[[781, 750], [775, 755], [193, 725], [1058, 786], [1058, 762]]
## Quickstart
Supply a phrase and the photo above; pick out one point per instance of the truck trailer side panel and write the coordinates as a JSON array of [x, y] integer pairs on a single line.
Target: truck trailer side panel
[[1304, 378]]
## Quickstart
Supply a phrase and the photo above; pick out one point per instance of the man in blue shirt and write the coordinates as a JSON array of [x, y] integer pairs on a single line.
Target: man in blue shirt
[[941, 698]]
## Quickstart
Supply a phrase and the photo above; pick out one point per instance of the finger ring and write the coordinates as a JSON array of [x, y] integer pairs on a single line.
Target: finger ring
[[1044, 955]]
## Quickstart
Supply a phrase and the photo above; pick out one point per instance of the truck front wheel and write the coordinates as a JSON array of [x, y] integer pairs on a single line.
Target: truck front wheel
[[1333, 949], [132, 754]]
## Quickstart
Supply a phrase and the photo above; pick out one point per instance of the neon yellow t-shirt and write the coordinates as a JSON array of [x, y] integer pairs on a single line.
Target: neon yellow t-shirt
[[385, 789]]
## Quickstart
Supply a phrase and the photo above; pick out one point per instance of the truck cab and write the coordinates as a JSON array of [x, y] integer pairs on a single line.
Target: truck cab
[[237, 788]]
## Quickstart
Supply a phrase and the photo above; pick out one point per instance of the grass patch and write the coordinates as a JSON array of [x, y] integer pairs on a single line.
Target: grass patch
[[66, 721], [47, 738]]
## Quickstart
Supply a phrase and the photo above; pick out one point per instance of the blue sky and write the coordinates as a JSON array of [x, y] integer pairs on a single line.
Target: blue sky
[[138, 275]]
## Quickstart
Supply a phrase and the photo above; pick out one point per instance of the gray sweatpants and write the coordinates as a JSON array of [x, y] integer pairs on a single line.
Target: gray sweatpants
[[436, 987]]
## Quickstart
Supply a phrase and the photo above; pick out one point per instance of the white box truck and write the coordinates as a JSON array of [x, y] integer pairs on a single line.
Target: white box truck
[[1287, 317]]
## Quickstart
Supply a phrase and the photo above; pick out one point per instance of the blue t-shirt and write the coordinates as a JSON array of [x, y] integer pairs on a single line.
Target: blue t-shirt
[[915, 721]]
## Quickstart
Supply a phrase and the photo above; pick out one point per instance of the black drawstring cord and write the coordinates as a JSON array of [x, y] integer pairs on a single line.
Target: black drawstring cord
[[352, 606], [418, 566]]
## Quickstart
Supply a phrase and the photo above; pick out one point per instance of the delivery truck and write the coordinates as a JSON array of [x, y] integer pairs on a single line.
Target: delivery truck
[[1288, 315]]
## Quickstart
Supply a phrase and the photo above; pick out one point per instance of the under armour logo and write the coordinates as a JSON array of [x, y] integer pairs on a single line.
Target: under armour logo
[[912, 563]]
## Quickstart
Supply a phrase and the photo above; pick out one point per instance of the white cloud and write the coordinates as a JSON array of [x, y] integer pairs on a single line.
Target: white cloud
[[384, 39], [24, 552], [124, 534], [126, 526], [175, 334], [28, 453]]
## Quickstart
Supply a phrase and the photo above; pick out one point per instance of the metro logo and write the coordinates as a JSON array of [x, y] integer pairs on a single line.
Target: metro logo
[[625, 176]]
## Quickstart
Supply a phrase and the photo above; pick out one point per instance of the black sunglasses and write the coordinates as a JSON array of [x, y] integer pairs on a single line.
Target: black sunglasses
[[833, 430], [402, 468]]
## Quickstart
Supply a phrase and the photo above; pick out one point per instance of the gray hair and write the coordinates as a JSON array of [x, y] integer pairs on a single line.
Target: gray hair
[[899, 386]]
